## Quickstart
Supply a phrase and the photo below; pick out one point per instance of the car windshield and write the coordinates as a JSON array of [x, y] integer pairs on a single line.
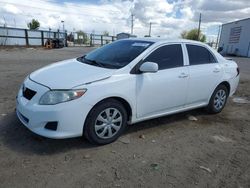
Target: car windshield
[[117, 54]]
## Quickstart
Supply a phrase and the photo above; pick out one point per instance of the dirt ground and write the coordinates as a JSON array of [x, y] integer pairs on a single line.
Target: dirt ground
[[213, 151]]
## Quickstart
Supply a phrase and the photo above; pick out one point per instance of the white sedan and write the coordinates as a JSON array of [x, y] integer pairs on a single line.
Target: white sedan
[[122, 83]]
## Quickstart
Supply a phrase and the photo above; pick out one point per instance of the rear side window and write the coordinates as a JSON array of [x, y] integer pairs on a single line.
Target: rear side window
[[199, 55], [169, 56]]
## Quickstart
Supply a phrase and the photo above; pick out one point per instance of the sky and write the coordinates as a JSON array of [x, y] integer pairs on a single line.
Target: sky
[[168, 17]]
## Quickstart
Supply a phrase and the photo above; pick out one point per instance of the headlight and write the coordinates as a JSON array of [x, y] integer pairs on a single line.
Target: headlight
[[59, 96]]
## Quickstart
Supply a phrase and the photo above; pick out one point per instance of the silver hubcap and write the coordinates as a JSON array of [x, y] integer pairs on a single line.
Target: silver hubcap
[[108, 123], [220, 99]]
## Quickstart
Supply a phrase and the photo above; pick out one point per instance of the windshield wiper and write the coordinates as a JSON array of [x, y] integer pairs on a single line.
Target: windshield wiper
[[89, 61], [97, 63], [80, 59], [94, 62]]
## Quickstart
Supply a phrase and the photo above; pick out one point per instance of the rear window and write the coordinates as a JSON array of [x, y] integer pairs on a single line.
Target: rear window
[[199, 55]]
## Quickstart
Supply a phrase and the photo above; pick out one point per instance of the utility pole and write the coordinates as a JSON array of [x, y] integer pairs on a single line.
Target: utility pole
[[49, 32], [15, 22], [5, 23], [132, 23], [63, 24], [64, 34], [199, 28], [218, 35], [150, 24]]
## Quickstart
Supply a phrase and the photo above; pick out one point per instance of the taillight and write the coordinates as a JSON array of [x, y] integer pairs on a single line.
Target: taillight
[[238, 71]]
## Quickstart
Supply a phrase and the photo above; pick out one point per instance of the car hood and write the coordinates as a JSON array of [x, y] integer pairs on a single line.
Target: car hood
[[68, 74]]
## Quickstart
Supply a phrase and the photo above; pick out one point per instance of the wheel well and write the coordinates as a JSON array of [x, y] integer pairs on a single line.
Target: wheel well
[[123, 102], [227, 85]]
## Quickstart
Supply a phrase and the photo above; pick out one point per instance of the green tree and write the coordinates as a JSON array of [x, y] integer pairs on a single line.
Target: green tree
[[105, 33], [70, 37], [34, 24], [193, 35], [82, 37]]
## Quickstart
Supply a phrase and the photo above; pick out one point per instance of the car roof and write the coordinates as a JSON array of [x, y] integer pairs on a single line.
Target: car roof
[[162, 40], [158, 41]]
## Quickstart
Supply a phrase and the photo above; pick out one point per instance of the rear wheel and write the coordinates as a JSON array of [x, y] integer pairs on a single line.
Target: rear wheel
[[105, 122], [218, 99]]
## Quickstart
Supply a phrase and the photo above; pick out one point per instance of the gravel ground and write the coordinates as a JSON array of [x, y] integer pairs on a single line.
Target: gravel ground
[[172, 151]]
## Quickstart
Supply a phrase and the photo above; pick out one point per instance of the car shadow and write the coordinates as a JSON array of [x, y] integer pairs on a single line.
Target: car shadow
[[165, 121], [18, 138]]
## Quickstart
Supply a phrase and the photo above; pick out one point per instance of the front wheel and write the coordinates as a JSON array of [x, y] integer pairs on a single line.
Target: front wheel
[[105, 122], [218, 99]]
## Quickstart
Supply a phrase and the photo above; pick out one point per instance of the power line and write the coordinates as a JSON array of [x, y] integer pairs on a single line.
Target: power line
[[87, 13], [65, 12], [69, 5]]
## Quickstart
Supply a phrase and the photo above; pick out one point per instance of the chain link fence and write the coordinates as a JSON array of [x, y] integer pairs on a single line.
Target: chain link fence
[[10, 36], [88, 39], [24, 37]]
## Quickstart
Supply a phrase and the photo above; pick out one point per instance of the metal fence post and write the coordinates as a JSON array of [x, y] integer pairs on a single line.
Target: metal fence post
[[42, 38], [65, 39], [26, 37], [101, 40], [90, 39]]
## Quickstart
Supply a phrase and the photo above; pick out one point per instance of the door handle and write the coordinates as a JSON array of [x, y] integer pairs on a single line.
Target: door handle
[[183, 75], [216, 70]]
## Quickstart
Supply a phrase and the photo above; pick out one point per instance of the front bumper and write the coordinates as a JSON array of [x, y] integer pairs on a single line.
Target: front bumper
[[70, 116]]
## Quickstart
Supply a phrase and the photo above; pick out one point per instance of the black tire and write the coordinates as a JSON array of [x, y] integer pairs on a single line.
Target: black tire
[[211, 108], [89, 126]]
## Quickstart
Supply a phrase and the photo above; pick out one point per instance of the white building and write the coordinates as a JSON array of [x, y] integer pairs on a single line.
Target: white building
[[124, 36], [235, 38]]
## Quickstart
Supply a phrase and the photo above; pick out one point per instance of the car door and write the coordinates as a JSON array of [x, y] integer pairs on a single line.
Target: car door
[[205, 74], [166, 89]]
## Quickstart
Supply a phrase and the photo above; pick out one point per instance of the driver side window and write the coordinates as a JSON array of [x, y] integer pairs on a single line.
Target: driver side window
[[168, 56]]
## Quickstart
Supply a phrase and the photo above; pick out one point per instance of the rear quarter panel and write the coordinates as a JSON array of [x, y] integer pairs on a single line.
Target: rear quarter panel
[[230, 71], [231, 75]]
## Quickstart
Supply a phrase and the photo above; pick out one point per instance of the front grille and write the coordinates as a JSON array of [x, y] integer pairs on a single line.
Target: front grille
[[28, 93]]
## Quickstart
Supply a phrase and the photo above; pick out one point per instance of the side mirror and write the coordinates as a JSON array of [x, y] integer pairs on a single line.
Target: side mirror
[[149, 67], [220, 49]]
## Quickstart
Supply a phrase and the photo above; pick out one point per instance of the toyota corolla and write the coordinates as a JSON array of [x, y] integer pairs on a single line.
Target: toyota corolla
[[125, 82]]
